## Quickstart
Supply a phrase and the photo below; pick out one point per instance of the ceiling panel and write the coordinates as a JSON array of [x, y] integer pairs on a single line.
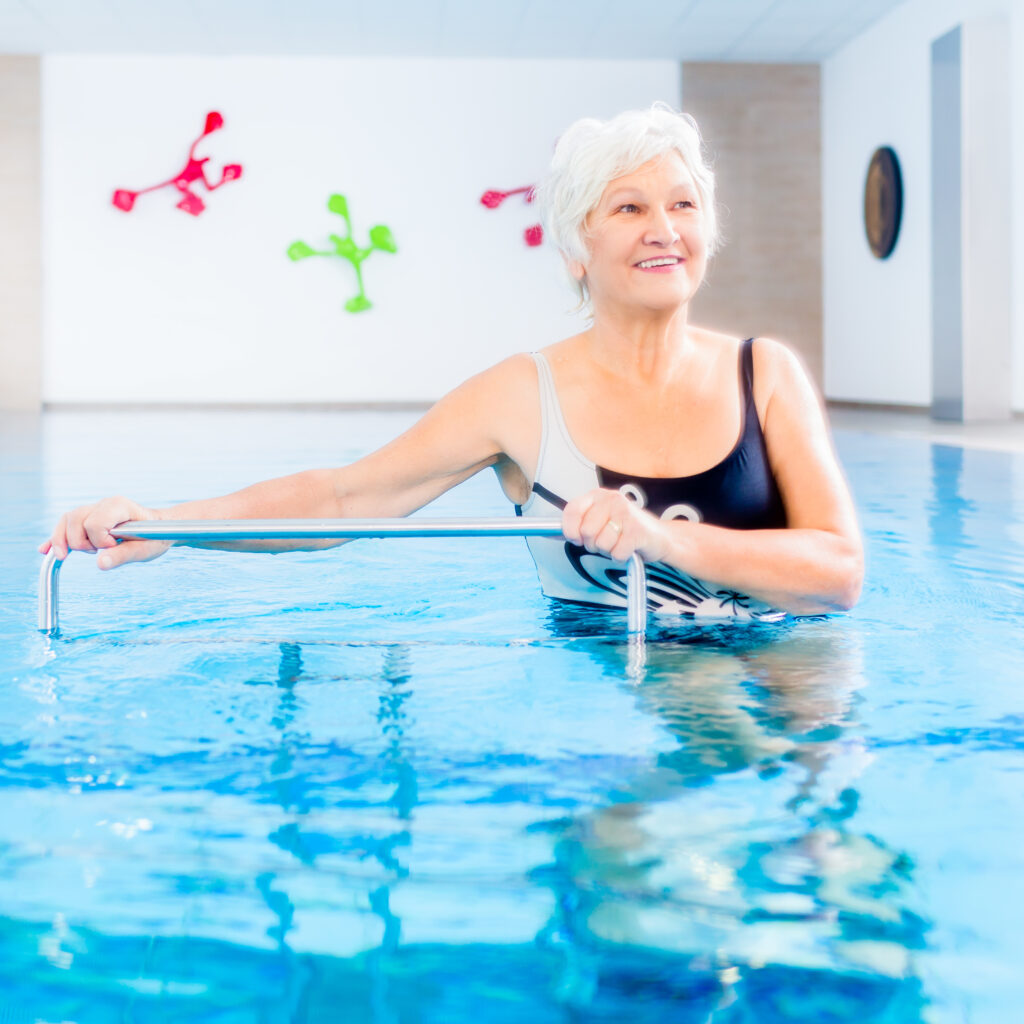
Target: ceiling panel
[[774, 30]]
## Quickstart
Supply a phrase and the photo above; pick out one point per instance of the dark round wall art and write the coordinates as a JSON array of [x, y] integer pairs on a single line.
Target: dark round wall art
[[883, 202]]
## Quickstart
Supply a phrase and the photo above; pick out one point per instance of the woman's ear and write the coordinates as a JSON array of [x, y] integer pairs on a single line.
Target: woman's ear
[[576, 269]]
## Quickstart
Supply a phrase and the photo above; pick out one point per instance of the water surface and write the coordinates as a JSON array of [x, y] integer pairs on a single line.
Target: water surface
[[391, 782]]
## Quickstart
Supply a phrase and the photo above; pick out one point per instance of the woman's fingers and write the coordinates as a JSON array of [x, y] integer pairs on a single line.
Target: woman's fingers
[[601, 521], [50, 544], [58, 539], [88, 529], [572, 516], [622, 540], [77, 537], [101, 519], [608, 523], [601, 531], [131, 551]]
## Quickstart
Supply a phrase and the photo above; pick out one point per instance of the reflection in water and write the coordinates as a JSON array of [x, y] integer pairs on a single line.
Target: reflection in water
[[727, 878], [738, 848], [948, 508], [398, 768], [290, 793]]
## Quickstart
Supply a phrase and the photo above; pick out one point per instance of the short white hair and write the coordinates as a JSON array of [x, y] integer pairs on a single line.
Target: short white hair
[[593, 153]]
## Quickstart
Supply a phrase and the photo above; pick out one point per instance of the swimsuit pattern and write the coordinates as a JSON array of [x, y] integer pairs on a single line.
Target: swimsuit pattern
[[739, 493]]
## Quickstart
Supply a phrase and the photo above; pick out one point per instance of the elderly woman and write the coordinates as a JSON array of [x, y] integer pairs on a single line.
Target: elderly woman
[[708, 455]]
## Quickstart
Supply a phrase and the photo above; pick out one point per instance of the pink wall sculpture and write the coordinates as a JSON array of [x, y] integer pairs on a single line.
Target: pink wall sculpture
[[191, 175], [492, 199]]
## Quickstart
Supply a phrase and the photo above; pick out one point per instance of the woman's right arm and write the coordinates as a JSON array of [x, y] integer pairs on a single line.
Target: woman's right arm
[[466, 431]]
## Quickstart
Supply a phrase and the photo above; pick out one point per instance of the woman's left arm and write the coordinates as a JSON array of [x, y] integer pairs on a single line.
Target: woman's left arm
[[814, 565]]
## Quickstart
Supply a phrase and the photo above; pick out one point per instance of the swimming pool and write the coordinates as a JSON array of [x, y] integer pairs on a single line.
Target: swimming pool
[[390, 782]]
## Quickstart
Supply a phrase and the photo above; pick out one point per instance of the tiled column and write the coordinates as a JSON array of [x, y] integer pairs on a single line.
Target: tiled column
[[761, 125], [971, 224], [20, 235]]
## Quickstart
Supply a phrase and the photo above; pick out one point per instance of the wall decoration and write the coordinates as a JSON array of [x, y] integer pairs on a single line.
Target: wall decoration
[[883, 202], [380, 239], [190, 175], [492, 199]]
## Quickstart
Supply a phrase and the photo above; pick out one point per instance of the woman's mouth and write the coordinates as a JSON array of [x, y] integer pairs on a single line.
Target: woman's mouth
[[660, 263]]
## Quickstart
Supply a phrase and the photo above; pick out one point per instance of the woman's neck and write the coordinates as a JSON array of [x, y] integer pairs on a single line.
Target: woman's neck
[[647, 347]]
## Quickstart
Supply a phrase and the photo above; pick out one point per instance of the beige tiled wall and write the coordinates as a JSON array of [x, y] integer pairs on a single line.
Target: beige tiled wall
[[20, 225], [760, 123]]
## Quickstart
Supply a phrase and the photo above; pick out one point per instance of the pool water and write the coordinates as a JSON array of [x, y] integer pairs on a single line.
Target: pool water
[[391, 782]]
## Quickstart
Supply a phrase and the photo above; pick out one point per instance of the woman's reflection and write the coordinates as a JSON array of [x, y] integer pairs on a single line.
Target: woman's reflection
[[737, 848]]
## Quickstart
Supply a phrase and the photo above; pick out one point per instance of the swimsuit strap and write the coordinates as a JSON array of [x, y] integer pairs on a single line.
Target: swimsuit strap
[[747, 369], [558, 454], [750, 422], [546, 384], [553, 422]]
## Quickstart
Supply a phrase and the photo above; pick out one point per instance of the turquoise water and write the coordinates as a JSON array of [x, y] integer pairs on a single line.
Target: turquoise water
[[391, 782]]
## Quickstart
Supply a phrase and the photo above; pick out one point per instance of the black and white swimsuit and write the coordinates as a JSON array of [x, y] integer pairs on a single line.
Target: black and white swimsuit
[[739, 493]]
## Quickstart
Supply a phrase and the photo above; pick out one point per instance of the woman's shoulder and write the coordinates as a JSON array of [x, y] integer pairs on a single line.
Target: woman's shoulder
[[573, 347], [503, 389], [520, 366], [764, 348], [512, 372], [778, 367], [771, 356], [521, 369]]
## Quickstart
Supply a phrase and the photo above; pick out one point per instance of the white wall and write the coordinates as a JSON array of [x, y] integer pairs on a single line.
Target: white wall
[[876, 91], [159, 306]]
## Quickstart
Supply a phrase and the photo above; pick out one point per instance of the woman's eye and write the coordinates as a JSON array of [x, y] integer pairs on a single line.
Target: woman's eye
[[628, 208], [686, 204]]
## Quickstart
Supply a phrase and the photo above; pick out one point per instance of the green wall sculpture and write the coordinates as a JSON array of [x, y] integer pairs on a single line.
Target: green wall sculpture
[[380, 239]]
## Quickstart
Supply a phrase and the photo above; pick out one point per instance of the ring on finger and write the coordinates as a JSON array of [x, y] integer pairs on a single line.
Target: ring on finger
[[615, 526]]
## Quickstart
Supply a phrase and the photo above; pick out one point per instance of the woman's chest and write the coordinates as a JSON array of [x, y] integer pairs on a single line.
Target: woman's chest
[[658, 433]]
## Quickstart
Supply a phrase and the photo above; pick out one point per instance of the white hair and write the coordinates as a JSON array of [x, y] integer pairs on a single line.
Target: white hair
[[593, 153]]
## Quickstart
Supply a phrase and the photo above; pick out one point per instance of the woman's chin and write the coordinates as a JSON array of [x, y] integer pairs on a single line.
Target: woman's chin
[[662, 302]]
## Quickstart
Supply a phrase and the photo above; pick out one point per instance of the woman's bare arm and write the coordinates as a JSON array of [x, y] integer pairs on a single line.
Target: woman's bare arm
[[456, 438]]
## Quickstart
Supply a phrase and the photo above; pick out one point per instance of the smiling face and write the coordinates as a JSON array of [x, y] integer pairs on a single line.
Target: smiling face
[[647, 238]]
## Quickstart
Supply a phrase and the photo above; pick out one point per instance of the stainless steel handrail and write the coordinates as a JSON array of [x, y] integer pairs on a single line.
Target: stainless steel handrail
[[224, 530]]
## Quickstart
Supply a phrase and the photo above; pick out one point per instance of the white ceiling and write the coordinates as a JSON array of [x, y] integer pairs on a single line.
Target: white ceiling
[[711, 30]]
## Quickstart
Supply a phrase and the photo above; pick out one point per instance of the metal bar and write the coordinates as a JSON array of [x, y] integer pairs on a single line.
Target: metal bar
[[327, 529], [636, 595], [224, 530], [49, 593]]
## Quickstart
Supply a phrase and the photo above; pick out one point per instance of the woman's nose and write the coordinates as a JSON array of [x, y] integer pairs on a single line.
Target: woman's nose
[[660, 229]]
